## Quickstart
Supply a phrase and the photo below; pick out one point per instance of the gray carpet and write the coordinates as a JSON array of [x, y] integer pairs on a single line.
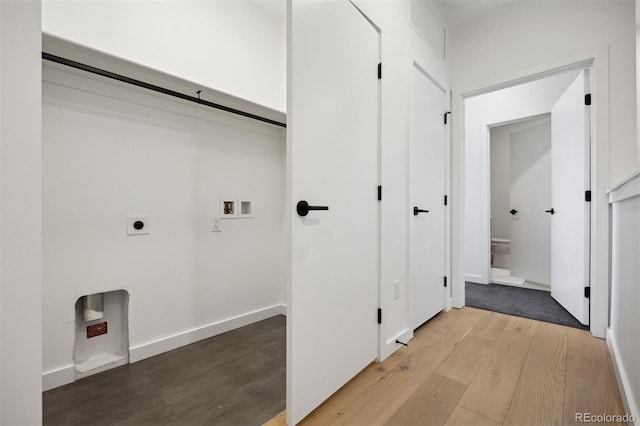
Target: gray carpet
[[521, 302]]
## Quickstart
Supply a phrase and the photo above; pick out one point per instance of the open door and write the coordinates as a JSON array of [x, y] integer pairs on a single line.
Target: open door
[[570, 214], [529, 197], [332, 143], [427, 190]]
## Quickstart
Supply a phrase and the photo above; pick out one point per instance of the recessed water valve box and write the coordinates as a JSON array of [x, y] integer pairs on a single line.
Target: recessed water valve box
[[228, 208], [138, 224]]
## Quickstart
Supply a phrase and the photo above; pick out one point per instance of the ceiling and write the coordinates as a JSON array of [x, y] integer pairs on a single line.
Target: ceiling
[[458, 12]]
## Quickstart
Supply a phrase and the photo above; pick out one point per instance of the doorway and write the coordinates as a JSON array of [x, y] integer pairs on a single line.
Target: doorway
[[546, 245], [520, 175]]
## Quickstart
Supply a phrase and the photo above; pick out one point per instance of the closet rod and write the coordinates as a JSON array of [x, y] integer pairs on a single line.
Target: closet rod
[[132, 81]]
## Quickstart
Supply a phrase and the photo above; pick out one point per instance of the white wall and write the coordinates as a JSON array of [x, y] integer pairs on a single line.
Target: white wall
[[237, 47], [500, 180], [532, 33], [110, 151], [400, 46], [625, 274], [20, 214], [637, 4], [622, 335], [531, 37], [518, 102]]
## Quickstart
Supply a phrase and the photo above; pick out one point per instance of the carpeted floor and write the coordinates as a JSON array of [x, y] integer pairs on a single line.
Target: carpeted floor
[[521, 302]]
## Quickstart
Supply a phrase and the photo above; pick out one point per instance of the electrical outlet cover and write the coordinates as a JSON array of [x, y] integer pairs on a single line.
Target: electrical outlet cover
[[215, 224], [138, 224]]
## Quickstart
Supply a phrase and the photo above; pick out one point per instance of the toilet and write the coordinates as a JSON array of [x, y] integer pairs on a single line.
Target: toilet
[[500, 253]]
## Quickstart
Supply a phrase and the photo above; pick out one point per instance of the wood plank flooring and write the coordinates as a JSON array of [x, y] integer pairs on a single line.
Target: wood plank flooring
[[474, 367], [236, 378]]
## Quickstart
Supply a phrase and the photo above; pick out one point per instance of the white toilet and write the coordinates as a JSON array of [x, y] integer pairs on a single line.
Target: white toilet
[[500, 253]]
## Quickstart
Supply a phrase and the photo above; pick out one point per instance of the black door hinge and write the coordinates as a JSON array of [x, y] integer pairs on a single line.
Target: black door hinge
[[445, 116], [380, 70], [587, 99], [587, 292], [445, 281], [379, 315], [446, 200], [379, 192], [587, 196]]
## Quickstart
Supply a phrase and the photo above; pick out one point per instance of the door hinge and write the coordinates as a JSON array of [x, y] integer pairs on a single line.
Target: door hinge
[[587, 99], [587, 196], [379, 192], [445, 116], [380, 70], [587, 292], [379, 315], [445, 281], [446, 200]]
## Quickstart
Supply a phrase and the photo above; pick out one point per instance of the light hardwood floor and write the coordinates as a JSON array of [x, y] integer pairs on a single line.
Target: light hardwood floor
[[474, 367]]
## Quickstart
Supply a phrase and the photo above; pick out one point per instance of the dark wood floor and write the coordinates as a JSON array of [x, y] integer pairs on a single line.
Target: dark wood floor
[[236, 378]]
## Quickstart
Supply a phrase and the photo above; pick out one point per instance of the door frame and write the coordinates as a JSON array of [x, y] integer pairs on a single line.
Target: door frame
[[598, 60]]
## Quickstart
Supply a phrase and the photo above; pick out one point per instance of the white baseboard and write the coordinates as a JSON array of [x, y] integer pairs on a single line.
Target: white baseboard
[[473, 278], [59, 377], [626, 391], [390, 345], [156, 347], [65, 375], [404, 336], [448, 304]]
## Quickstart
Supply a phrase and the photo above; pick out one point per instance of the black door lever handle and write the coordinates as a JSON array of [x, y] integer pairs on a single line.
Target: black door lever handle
[[513, 211], [552, 211], [303, 208], [417, 210]]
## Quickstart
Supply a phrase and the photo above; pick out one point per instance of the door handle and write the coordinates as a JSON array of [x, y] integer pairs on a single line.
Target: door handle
[[513, 211], [552, 211], [417, 210], [303, 208]]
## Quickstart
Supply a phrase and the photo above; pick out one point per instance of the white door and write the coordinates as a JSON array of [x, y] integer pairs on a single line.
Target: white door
[[530, 196], [427, 190], [570, 134], [333, 158]]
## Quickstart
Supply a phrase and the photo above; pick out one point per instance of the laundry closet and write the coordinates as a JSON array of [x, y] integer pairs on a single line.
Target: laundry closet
[[162, 215]]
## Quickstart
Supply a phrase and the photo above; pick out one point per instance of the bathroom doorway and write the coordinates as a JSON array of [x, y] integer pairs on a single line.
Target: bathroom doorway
[[548, 208], [520, 176]]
